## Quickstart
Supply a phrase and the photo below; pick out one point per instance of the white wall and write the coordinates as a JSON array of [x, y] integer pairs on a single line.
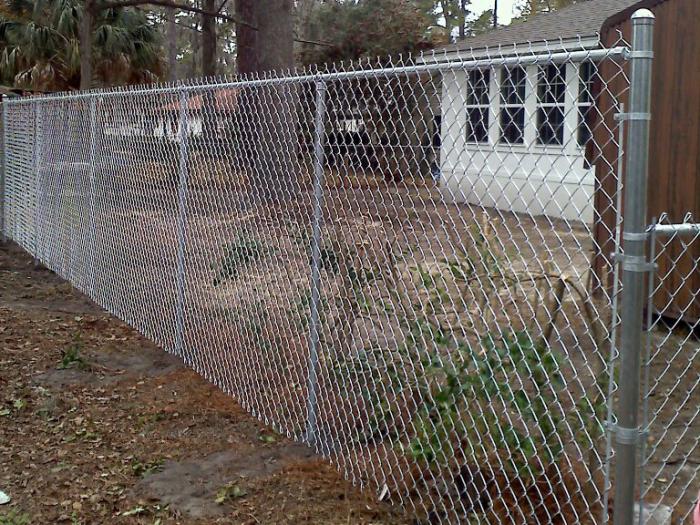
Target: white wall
[[526, 178]]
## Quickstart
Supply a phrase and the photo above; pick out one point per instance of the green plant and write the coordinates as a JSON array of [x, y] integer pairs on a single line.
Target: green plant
[[239, 255], [142, 469], [228, 492], [14, 517], [71, 356]]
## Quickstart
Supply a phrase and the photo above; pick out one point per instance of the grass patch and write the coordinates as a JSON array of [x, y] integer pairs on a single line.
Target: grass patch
[[72, 357], [14, 517]]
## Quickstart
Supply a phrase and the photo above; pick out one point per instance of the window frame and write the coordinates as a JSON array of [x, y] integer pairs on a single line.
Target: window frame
[[549, 100], [478, 101], [585, 101], [508, 108]]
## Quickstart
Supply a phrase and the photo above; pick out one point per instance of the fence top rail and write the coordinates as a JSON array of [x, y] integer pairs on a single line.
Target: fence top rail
[[429, 64], [676, 229]]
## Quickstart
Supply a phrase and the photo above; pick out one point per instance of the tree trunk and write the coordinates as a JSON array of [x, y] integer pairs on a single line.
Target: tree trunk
[[270, 112], [172, 45], [271, 46], [462, 19], [209, 39], [86, 44], [195, 40]]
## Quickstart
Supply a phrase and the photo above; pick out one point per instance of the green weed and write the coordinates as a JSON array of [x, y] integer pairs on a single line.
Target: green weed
[[239, 255], [14, 517], [143, 469], [71, 356]]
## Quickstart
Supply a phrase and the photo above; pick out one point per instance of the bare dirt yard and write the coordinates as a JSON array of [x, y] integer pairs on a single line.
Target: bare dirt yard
[[98, 425]]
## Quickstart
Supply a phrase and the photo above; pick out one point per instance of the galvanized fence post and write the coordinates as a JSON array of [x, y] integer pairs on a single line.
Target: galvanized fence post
[[91, 168], [3, 170], [634, 266], [181, 225], [37, 168], [314, 321]]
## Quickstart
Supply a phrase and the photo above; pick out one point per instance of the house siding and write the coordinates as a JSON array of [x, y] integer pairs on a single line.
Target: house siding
[[523, 178]]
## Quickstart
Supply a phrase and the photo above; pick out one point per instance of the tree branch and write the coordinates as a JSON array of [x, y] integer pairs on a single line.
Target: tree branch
[[174, 5]]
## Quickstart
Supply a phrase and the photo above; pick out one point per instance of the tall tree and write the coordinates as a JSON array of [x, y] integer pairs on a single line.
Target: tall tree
[[371, 28], [92, 9], [209, 39], [266, 41], [40, 45], [528, 8], [482, 24], [171, 39]]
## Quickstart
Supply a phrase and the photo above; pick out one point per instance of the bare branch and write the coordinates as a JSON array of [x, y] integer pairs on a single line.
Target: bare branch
[[174, 5]]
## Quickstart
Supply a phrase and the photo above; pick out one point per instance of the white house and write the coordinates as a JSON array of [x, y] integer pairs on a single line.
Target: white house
[[514, 137]]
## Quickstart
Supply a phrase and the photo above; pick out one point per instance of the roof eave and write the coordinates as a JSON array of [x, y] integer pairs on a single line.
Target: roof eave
[[523, 48]]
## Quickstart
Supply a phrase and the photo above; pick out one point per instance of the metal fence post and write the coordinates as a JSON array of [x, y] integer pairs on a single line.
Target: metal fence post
[[37, 168], [91, 172], [314, 338], [3, 170], [634, 266], [181, 226]]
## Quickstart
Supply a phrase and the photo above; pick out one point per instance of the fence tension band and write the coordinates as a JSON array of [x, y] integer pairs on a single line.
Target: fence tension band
[[632, 116], [634, 236], [633, 263], [640, 54], [628, 436]]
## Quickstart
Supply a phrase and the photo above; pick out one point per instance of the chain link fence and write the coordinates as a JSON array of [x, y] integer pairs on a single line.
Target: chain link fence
[[408, 267], [671, 384]]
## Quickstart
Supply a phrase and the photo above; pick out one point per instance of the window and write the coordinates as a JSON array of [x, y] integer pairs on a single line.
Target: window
[[512, 122], [587, 74], [478, 105], [551, 90]]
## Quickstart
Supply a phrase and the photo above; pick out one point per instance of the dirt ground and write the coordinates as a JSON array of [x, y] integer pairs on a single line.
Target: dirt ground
[[98, 425]]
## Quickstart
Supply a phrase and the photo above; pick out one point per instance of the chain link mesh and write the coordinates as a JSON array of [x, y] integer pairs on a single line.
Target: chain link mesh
[[671, 384], [407, 268]]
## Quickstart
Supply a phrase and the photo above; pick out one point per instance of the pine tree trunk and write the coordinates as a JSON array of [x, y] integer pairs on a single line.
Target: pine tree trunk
[[270, 112], [172, 45], [209, 39]]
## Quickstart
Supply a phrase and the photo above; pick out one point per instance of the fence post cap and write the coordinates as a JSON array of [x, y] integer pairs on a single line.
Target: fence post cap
[[642, 14]]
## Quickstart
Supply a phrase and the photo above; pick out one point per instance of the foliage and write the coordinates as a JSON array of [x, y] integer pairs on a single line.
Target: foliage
[[40, 45], [228, 492], [370, 28], [446, 385], [14, 517], [529, 8], [71, 356], [508, 370], [142, 469], [238, 255]]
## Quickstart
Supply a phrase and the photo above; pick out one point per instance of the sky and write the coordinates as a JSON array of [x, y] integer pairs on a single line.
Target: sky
[[505, 9]]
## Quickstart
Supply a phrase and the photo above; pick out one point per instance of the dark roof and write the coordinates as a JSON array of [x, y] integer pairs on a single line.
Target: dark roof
[[583, 19]]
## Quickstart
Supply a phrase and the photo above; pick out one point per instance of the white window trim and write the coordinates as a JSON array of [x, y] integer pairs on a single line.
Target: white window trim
[[578, 104], [565, 136], [571, 115], [502, 105], [486, 106]]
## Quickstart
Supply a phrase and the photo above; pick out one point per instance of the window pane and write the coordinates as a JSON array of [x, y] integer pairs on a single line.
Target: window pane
[[587, 74], [478, 90], [513, 85], [550, 125], [585, 122], [551, 84], [512, 125], [477, 125]]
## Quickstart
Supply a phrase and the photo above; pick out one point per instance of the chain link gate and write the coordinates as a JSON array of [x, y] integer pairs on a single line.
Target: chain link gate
[[405, 267], [670, 413]]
